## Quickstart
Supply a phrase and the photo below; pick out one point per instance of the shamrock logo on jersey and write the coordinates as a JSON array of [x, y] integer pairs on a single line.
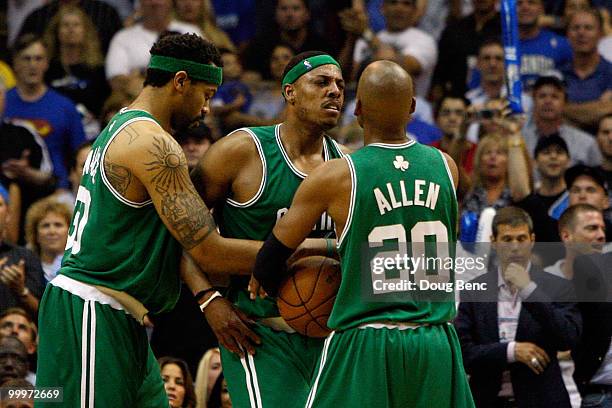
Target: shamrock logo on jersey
[[400, 163], [307, 64]]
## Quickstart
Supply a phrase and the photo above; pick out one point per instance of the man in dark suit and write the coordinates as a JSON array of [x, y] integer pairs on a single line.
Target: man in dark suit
[[593, 357], [511, 333]]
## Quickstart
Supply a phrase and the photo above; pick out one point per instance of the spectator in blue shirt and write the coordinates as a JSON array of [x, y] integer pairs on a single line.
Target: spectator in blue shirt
[[588, 76], [237, 19], [542, 51], [53, 116]]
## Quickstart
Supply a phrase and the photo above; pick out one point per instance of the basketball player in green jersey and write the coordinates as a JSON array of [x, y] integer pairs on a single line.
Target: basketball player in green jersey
[[388, 349], [136, 211], [249, 177]]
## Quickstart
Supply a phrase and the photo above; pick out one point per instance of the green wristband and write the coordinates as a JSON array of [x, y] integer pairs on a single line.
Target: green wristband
[[329, 248]]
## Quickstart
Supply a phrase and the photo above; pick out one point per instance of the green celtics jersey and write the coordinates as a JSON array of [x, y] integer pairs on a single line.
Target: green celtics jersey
[[117, 243], [396, 248], [256, 218]]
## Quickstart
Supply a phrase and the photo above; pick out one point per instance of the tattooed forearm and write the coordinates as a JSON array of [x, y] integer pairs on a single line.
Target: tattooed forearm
[[169, 169], [188, 216], [181, 206], [119, 176]]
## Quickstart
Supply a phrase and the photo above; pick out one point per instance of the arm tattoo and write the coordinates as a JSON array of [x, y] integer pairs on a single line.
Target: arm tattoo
[[189, 217], [131, 133], [119, 176], [169, 166], [180, 204]]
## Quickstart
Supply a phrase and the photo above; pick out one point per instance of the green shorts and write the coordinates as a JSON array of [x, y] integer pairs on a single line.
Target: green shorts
[[97, 353], [391, 368], [278, 375]]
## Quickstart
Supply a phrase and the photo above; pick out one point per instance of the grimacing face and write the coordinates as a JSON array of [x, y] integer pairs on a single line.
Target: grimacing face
[[318, 96]]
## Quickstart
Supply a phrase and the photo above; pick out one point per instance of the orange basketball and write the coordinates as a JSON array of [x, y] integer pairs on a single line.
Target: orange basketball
[[305, 299]]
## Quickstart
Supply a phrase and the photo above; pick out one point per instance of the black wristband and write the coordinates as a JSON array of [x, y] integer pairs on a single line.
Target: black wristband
[[271, 264], [201, 293]]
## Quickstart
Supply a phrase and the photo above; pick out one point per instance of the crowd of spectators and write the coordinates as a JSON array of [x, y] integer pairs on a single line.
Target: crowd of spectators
[[67, 66]]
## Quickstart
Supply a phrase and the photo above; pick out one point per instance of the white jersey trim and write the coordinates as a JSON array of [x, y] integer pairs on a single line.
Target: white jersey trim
[[313, 390], [92, 354], [294, 169], [448, 171], [392, 326], [84, 345], [103, 172], [337, 145], [264, 174], [349, 219], [394, 146], [279, 142]]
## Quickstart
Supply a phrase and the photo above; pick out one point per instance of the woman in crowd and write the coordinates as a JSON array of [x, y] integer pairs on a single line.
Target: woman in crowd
[[208, 372], [490, 187], [46, 231], [76, 67], [201, 13], [177, 382], [219, 396], [268, 101]]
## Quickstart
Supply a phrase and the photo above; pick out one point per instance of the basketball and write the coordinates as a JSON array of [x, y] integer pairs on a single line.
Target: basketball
[[305, 299]]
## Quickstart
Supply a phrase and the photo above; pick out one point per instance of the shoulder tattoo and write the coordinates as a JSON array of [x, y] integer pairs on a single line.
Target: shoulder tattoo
[[119, 176]]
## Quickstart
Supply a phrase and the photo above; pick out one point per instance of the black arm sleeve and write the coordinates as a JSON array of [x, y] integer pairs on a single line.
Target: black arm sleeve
[[271, 264]]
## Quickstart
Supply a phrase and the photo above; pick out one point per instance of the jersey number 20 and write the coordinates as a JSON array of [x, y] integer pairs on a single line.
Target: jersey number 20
[[421, 260]]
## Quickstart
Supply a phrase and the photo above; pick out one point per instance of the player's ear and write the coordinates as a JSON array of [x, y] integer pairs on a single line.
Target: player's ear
[[289, 91], [413, 106], [180, 80], [357, 111]]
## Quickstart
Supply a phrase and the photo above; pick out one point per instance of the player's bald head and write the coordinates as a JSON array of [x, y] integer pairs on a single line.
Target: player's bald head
[[385, 94]]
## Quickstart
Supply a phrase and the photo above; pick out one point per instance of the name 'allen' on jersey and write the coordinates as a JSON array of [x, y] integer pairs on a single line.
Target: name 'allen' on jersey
[[395, 196]]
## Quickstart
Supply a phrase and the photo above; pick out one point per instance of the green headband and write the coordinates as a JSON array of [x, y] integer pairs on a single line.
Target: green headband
[[307, 65], [202, 72]]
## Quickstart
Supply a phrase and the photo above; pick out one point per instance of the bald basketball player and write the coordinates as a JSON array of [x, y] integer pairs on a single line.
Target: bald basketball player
[[249, 177], [389, 348]]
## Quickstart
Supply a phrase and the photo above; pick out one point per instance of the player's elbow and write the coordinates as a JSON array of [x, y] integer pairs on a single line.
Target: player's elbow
[[208, 254]]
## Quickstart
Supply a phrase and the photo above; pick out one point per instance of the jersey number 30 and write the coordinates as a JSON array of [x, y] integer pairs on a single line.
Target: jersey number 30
[[79, 220]]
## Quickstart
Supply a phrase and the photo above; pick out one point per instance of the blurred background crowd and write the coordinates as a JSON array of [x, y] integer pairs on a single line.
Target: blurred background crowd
[[67, 66]]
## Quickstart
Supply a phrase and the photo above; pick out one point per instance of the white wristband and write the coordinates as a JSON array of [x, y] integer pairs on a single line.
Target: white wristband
[[210, 299]]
